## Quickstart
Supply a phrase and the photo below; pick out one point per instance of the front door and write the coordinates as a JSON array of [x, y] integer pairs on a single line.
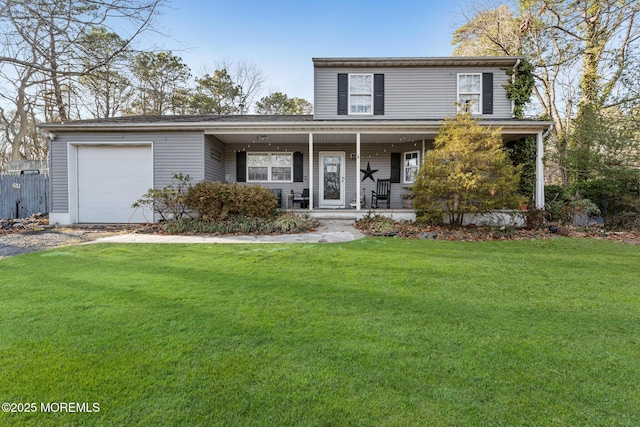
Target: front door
[[332, 179]]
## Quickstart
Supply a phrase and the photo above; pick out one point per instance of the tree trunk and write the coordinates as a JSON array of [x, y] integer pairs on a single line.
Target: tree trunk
[[57, 89]]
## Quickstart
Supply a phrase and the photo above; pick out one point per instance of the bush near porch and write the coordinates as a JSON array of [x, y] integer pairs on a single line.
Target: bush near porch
[[221, 208], [220, 201], [468, 172]]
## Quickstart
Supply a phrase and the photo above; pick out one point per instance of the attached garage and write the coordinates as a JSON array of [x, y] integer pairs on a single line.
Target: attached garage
[[110, 178]]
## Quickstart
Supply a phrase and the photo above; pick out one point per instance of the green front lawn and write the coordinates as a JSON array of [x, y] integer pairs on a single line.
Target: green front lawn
[[370, 333]]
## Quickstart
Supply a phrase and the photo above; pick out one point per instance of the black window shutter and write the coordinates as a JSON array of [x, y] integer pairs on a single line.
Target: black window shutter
[[298, 165], [487, 93], [378, 94], [241, 166], [396, 163], [343, 94]]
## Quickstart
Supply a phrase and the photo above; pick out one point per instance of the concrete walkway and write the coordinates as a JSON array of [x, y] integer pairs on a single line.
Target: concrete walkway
[[329, 231]]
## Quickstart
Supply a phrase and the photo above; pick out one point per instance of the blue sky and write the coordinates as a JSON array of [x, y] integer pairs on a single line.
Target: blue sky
[[281, 36]]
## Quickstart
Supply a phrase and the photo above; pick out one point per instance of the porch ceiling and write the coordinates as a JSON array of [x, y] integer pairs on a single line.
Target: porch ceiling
[[323, 138], [343, 138]]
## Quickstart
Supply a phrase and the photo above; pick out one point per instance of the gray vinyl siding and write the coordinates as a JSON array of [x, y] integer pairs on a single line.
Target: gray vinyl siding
[[177, 152], [214, 159], [410, 93], [377, 155], [58, 174], [173, 153]]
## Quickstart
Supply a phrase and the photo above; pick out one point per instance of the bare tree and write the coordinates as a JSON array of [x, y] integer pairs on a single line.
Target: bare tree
[[41, 51], [581, 51], [247, 76], [18, 121]]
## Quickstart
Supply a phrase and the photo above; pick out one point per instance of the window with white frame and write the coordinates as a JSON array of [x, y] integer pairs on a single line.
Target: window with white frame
[[276, 167], [361, 93], [411, 166], [470, 92]]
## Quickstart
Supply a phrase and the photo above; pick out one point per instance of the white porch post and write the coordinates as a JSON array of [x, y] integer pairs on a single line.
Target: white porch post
[[539, 195], [358, 195], [311, 192]]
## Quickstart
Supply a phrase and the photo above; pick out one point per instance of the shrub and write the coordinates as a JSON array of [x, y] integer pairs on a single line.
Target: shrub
[[284, 223], [613, 198], [219, 201], [377, 224], [503, 232], [556, 198], [434, 217], [168, 202], [624, 221], [291, 223], [535, 218], [612, 195], [467, 172]]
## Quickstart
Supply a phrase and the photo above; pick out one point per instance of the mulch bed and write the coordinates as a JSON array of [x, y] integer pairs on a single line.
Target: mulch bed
[[479, 234], [403, 229]]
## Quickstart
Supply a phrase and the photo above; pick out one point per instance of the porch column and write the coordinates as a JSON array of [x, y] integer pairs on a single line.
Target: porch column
[[539, 194], [358, 196], [311, 192]]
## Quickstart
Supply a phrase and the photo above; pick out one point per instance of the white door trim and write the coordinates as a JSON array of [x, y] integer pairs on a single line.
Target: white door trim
[[331, 203], [72, 170]]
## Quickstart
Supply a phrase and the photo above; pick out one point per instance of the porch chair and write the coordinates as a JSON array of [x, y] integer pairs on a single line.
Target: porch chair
[[382, 192], [302, 198]]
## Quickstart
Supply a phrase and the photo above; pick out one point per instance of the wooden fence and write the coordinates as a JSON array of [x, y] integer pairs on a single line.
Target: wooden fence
[[23, 195]]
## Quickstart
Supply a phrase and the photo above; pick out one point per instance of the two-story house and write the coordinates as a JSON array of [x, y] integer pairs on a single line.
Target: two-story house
[[374, 118]]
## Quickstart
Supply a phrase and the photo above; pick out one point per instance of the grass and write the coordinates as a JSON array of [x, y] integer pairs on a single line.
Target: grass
[[374, 332]]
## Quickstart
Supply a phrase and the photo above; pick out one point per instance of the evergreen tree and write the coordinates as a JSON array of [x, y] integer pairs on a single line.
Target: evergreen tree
[[468, 172]]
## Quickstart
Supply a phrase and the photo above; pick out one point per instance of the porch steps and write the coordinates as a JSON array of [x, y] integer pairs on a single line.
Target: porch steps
[[354, 215]]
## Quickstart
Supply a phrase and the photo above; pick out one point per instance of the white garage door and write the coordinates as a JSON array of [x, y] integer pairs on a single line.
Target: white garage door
[[110, 180]]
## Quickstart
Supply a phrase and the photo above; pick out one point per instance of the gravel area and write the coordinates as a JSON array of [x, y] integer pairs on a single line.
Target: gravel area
[[22, 242]]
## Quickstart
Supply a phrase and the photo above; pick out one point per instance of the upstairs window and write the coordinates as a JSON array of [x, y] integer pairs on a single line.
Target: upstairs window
[[470, 92], [361, 93], [269, 167]]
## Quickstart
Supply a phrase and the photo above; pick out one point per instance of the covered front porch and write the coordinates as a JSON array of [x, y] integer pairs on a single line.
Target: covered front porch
[[338, 163]]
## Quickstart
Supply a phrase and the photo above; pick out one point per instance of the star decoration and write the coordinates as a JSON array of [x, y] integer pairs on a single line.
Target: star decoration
[[368, 172]]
